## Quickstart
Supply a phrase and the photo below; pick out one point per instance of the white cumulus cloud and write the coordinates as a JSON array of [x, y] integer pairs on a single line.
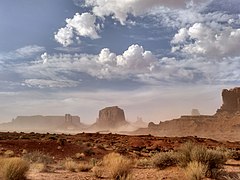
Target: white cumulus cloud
[[135, 64], [64, 36], [209, 40], [81, 25], [121, 9]]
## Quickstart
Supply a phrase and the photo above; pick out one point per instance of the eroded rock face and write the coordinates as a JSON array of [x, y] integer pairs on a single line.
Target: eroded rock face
[[231, 100], [224, 125], [40, 123], [111, 117]]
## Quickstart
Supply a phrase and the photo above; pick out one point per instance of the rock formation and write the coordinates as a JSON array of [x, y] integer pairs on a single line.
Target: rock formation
[[72, 123], [224, 125], [40, 123], [195, 112], [111, 118], [231, 100]]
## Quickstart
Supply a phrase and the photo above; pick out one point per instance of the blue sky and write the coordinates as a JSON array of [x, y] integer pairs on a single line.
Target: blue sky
[[155, 59]]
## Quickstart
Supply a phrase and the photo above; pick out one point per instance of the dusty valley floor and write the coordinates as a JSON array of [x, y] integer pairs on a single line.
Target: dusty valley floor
[[93, 147]]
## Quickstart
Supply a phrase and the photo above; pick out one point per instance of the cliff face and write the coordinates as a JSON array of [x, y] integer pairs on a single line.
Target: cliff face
[[231, 100], [224, 125], [111, 118]]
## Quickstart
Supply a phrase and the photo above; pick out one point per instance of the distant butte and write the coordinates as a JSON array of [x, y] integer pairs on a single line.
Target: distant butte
[[110, 118]]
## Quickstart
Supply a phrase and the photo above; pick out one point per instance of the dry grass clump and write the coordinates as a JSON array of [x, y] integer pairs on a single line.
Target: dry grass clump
[[213, 160], [195, 171], [38, 167], [163, 160], [39, 161], [144, 162], [118, 165], [70, 165], [197, 160], [73, 166], [84, 167], [97, 171], [13, 169], [8, 153], [38, 157]]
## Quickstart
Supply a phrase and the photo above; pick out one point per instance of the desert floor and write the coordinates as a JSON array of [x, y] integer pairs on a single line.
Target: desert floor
[[88, 147]]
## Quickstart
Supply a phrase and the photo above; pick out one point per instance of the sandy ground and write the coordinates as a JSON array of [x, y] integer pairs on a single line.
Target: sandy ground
[[172, 173], [138, 174]]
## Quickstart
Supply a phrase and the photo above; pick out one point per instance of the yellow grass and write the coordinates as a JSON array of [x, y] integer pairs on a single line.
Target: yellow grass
[[118, 165], [13, 169]]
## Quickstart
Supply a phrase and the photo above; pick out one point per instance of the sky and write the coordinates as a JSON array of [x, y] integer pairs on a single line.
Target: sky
[[157, 59]]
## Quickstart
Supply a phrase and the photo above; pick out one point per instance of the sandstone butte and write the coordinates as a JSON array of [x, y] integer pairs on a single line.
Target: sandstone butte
[[110, 118], [223, 125]]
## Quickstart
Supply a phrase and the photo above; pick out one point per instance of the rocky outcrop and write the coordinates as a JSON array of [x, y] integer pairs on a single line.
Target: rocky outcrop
[[40, 123], [195, 112], [231, 100], [72, 123], [110, 118], [224, 125]]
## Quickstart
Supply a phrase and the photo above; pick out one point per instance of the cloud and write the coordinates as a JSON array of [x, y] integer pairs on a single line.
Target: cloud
[[64, 36], [120, 9], [46, 83], [135, 65], [209, 40], [180, 18], [81, 25], [24, 52]]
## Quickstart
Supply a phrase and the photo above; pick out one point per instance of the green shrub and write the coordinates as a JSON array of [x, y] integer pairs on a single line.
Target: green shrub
[[163, 160], [13, 169]]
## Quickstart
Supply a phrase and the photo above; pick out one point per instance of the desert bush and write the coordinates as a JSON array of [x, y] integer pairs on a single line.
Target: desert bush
[[70, 165], [39, 167], [184, 154], [38, 157], [97, 171], [118, 165], [13, 169], [163, 160], [144, 162], [195, 171], [89, 152], [213, 160], [8, 153], [84, 167]]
